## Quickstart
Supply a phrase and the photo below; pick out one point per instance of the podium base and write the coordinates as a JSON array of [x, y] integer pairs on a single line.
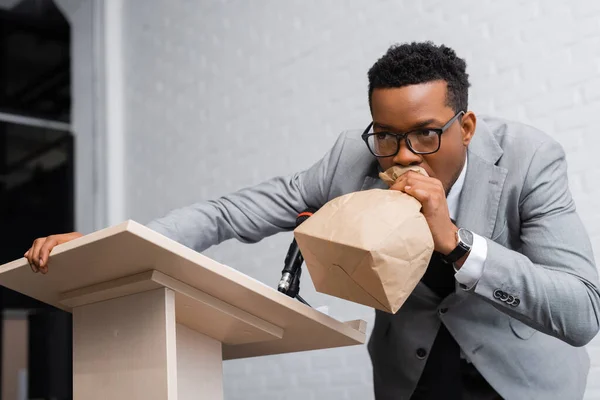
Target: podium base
[[130, 347]]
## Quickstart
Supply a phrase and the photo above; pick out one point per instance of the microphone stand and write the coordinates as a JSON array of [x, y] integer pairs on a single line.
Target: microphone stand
[[289, 283], [294, 289]]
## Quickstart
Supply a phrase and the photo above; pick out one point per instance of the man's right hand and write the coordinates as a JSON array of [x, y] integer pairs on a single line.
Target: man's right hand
[[40, 250]]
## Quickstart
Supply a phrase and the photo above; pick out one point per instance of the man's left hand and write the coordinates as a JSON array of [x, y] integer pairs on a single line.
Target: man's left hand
[[432, 196]]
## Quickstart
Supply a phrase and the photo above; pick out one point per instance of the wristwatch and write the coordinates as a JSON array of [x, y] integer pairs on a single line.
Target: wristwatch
[[464, 245]]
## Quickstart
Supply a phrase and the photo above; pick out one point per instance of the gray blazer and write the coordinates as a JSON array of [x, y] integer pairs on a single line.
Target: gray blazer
[[525, 322]]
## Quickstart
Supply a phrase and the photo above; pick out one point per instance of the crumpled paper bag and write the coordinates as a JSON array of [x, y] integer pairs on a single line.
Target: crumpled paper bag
[[370, 247]]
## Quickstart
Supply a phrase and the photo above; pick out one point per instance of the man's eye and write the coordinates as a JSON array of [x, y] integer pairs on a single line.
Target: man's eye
[[381, 136], [426, 133]]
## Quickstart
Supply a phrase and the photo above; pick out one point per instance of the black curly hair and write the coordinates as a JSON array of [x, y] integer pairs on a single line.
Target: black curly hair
[[414, 63]]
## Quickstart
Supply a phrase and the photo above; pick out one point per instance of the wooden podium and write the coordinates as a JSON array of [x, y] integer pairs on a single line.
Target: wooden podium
[[153, 319]]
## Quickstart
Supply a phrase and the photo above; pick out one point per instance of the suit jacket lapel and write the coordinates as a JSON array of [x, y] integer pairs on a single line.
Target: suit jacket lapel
[[480, 195], [481, 192]]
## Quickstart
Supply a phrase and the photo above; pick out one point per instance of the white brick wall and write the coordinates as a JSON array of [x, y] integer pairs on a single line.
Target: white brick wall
[[221, 95]]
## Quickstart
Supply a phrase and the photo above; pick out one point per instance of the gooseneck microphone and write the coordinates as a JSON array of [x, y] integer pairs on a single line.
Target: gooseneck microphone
[[290, 274]]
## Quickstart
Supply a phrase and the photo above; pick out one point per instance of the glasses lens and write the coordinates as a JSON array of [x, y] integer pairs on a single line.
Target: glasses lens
[[383, 144], [424, 141]]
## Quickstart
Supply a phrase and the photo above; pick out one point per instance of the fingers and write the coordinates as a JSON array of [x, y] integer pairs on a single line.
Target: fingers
[[421, 193], [39, 253], [27, 255], [30, 254], [428, 184], [35, 253], [411, 178], [428, 191], [45, 250]]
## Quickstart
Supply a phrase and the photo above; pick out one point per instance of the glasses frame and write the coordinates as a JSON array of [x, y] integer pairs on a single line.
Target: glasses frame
[[404, 136]]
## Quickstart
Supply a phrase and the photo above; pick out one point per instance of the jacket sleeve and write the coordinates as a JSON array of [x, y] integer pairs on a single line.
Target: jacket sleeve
[[251, 214], [551, 282]]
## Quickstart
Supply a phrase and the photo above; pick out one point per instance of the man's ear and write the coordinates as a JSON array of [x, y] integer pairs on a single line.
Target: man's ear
[[468, 125]]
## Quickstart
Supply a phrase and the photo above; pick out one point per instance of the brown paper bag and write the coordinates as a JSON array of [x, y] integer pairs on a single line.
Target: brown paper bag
[[370, 247]]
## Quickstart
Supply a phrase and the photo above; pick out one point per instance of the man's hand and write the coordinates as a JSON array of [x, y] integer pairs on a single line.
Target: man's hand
[[432, 196], [40, 250]]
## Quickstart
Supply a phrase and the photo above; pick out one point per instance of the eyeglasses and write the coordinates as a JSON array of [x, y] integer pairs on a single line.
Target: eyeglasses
[[419, 141]]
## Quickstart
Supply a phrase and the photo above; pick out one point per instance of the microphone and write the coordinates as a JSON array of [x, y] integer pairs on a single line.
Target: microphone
[[293, 259]]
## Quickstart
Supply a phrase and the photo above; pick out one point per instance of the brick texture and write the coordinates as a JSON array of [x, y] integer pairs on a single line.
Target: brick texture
[[220, 95]]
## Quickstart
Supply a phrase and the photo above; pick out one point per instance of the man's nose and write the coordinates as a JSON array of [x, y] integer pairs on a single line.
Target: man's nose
[[406, 157]]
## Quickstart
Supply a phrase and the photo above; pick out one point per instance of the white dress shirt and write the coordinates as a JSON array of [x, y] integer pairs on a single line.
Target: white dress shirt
[[470, 273]]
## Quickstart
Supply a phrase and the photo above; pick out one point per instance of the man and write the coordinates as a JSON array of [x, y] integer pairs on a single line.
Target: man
[[511, 293]]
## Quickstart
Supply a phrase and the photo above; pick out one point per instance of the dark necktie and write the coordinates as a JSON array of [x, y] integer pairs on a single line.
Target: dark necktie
[[441, 378]]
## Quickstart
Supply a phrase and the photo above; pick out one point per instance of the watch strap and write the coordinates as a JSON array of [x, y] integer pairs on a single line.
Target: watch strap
[[459, 251]]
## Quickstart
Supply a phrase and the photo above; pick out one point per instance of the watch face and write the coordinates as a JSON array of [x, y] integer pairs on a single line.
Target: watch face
[[465, 236]]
